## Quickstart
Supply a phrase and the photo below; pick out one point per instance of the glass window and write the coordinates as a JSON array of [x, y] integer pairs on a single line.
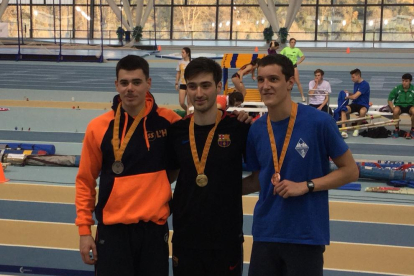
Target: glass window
[[348, 2], [201, 2], [325, 2], [81, 21], [398, 2], [37, 2], [340, 23], [374, 2], [248, 23], [245, 2], [372, 28], [194, 23], [303, 28], [163, 19], [10, 17], [224, 23], [397, 24]]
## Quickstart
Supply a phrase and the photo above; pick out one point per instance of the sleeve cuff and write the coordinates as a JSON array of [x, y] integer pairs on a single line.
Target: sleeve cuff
[[84, 230]]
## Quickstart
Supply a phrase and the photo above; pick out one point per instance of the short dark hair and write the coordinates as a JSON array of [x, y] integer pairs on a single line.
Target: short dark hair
[[203, 65], [234, 97], [274, 44], [319, 71], [131, 63], [287, 66], [292, 39], [356, 72], [407, 76]]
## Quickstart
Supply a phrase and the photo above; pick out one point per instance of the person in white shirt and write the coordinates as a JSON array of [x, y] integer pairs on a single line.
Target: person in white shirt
[[317, 88]]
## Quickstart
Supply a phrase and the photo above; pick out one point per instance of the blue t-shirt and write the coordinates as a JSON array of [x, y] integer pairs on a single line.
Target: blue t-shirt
[[363, 99], [303, 219]]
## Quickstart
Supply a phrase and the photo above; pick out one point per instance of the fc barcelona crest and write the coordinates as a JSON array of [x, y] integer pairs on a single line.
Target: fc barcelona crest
[[224, 140]]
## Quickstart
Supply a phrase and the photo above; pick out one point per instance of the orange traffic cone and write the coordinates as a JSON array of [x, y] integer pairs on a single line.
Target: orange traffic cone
[[348, 50], [256, 49], [2, 176], [159, 48]]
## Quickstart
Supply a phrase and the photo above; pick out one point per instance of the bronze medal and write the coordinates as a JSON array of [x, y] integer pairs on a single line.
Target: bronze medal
[[117, 167], [202, 180], [275, 178]]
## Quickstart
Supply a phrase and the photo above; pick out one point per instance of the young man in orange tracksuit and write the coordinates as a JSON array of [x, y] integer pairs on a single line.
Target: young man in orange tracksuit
[[126, 148]]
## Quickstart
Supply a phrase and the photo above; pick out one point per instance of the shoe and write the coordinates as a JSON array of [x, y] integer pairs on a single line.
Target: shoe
[[303, 99], [407, 135], [344, 134], [355, 133], [395, 134]]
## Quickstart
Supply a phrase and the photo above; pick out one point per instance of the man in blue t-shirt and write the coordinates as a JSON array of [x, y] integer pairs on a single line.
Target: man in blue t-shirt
[[360, 100], [291, 217]]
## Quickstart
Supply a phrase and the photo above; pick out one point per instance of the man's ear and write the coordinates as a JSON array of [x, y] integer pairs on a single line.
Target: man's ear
[[291, 82], [219, 87]]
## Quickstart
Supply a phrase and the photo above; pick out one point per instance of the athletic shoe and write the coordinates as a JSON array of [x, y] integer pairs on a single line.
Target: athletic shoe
[[395, 134], [344, 134], [407, 135], [355, 133], [303, 99]]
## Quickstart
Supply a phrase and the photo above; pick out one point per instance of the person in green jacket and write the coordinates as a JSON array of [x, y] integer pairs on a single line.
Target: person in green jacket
[[293, 53], [401, 100]]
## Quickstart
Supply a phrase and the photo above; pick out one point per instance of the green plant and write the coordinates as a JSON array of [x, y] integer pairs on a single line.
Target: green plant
[[120, 33], [268, 34], [137, 33], [283, 34]]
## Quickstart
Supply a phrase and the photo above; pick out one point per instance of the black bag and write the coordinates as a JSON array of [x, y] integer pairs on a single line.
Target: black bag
[[379, 132]]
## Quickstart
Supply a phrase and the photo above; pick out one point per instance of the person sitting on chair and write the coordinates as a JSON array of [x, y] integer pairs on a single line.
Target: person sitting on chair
[[360, 99], [401, 100], [319, 86]]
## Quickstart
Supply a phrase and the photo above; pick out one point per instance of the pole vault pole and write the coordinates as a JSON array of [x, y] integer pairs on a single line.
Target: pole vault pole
[[100, 8], [21, 20], [54, 21], [155, 27], [18, 30], [60, 30]]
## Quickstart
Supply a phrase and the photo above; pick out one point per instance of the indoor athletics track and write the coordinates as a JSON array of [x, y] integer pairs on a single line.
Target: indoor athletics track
[[371, 233]]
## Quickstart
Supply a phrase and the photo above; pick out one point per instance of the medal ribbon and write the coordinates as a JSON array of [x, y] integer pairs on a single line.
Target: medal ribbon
[[120, 149], [278, 164], [201, 164]]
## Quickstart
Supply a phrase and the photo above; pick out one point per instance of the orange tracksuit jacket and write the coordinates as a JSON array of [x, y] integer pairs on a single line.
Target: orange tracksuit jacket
[[142, 191]]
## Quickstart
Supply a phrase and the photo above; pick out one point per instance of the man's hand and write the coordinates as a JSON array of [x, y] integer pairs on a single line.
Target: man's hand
[[243, 116], [287, 188], [86, 244]]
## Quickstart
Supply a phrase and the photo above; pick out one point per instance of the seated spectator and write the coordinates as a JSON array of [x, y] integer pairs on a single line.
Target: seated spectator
[[273, 46], [323, 87], [233, 99], [401, 100], [360, 100]]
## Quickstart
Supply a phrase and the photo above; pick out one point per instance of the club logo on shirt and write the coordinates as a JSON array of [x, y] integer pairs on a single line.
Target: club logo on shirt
[[302, 148], [224, 140], [152, 135]]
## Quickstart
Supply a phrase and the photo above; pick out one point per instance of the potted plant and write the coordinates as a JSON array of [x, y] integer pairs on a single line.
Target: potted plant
[[137, 33], [268, 34], [120, 33], [283, 34]]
